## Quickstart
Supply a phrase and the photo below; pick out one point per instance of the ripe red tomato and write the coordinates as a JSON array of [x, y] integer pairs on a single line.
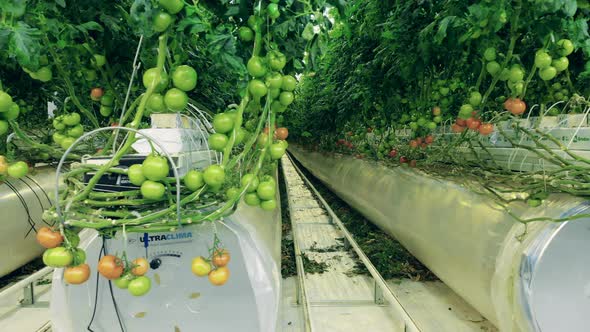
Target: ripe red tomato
[[460, 122], [96, 93], [110, 267], [486, 129], [457, 128], [473, 123], [403, 160], [393, 153], [220, 258], [77, 275], [49, 238], [429, 139], [281, 133], [414, 144]]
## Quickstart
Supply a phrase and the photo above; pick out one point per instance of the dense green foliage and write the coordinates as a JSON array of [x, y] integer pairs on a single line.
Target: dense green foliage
[[388, 60]]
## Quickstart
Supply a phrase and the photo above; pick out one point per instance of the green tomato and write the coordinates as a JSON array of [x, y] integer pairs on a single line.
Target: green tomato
[[58, 257], [266, 191], [421, 121], [135, 174], [214, 175], [176, 100], [246, 34], [277, 107], [437, 119], [256, 67], [542, 59], [253, 21], [151, 77], [252, 199], [257, 89], [274, 81], [566, 47], [516, 74], [504, 74], [123, 281], [533, 202], [156, 103], [172, 6], [250, 182], [556, 86], [3, 127], [431, 125], [76, 131], [44, 74], [548, 73], [276, 60], [277, 151], [269, 205], [58, 137], [108, 99], [217, 141], [58, 124], [475, 99], [273, 11], [12, 113], [18, 169], [465, 111], [493, 68], [490, 54], [413, 126], [90, 74], [223, 123], [286, 98], [274, 93], [289, 83], [185, 78], [67, 142], [5, 102], [241, 135], [152, 190], [162, 21], [444, 90], [193, 180], [99, 60], [71, 119], [140, 285], [105, 111], [560, 64], [518, 87], [155, 168], [232, 193]]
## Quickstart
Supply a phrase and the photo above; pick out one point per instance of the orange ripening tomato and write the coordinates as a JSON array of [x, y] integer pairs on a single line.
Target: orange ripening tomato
[[49, 238]]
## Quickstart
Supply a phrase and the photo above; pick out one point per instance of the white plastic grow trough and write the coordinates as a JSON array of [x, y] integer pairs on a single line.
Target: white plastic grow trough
[[539, 281], [178, 300], [22, 202]]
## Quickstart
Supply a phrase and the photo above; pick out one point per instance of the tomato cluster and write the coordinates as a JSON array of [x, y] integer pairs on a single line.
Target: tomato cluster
[[15, 170], [215, 268], [67, 129], [9, 111]]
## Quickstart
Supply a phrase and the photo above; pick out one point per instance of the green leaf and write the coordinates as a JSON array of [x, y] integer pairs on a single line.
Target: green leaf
[[4, 36], [85, 27], [14, 7], [25, 45], [195, 24]]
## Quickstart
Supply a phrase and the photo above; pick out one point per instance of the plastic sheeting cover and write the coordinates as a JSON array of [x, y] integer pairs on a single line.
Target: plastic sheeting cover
[[465, 239], [22, 208]]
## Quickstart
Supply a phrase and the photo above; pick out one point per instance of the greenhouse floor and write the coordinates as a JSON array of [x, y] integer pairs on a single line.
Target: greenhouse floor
[[432, 305]]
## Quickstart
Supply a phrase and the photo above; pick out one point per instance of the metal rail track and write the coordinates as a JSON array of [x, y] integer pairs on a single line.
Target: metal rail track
[[313, 219]]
